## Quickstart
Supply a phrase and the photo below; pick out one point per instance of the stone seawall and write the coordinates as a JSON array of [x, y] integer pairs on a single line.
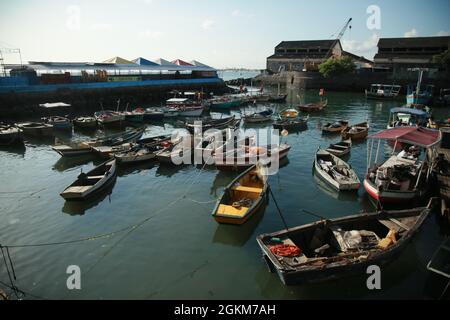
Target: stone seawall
[[86, 102], [354, 82]]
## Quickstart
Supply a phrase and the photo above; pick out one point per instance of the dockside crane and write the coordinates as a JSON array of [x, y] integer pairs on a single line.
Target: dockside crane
[[340, 35]]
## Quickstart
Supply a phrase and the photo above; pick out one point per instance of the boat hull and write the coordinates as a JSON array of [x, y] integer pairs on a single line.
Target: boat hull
[[101, 185], [243, 163], [226, 105], [43, 130], [11, 138], [389, 197], [331, 270]]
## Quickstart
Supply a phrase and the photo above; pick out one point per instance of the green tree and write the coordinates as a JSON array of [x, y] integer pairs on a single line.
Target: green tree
[[334, 67]]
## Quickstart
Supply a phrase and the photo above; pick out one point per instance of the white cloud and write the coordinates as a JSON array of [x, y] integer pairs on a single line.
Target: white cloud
[[102, 27], [366, 48], [154, 35], [208, 24], [411, 33], [239, 14], [443, 33], [236, 13]]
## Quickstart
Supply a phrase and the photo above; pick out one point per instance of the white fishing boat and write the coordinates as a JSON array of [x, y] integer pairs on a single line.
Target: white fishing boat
[[402, 177], [336, 172]]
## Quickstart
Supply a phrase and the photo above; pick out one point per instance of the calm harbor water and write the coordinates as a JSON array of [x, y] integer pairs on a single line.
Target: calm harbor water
[[179, 251]]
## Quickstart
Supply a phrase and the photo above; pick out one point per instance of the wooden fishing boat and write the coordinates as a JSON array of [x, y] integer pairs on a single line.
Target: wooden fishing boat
[[336, 172], [340, 149], [259, 117], [313, 107], [109, 118], [289, 114], [335, 127], [226, 102], [246, 156], [242, 197], [39, 129], [332, 249], [82, 148], [59, 123], [135, 116], [91, 183], [108, 151], [292, 124], [10, 135], [143, 150], [153, 114], [401, 178], [206, 124], [175, 153], [356, 132], [85, 122]]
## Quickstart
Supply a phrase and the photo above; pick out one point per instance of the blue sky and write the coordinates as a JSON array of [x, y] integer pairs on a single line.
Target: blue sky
[[219, 33]]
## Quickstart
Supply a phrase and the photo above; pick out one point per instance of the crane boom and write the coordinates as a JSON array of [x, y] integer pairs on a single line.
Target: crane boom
[[339, 37]]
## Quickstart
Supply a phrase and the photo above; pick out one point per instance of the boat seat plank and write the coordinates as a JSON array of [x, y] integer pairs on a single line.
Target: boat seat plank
[[391, 225], [77, 189], [95, 177], [247, 189], [232, 211]]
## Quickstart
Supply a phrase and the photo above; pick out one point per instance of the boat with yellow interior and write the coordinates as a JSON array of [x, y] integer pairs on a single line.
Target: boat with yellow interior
[[242, 197]]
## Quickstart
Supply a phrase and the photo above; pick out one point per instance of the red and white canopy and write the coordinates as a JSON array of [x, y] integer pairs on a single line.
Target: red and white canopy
[[417, 136]]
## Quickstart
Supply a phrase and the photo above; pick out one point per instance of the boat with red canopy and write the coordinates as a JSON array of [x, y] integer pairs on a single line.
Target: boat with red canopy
[[402, 177]]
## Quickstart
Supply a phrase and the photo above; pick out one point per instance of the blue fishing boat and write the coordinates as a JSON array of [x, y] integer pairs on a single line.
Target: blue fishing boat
[[408, 116], [419, 94], [225, 104]]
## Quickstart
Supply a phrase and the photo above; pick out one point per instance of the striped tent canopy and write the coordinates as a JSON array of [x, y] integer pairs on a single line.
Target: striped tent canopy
[[180, 62], [118, 60], [144, 62], [163, 62], [198, 64]]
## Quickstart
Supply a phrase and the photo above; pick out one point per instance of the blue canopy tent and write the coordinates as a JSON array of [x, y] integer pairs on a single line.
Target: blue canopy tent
[[144, 62]]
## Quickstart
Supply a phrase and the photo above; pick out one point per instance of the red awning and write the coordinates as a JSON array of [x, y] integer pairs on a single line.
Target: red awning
[[417, 136]]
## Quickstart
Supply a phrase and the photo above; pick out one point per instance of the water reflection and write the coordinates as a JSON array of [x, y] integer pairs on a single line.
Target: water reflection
[[341, 196], [238, 236], [66, 163], [18, 149], [81, 207], [143, 167]]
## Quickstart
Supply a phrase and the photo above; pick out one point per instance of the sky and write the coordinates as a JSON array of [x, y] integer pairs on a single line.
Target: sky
[[220, 33]]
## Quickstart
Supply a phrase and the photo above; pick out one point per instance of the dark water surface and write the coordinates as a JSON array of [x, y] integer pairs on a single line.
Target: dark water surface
[[180, 252]]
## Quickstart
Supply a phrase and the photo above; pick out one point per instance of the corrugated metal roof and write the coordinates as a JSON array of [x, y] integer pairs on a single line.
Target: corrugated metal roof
[[306, 44], [414, 42]]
